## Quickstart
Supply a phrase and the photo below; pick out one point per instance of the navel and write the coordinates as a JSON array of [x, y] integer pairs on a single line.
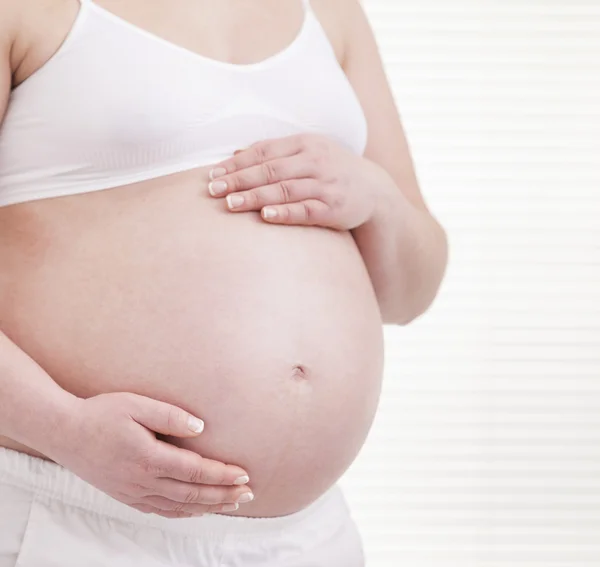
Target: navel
[[299, 372]]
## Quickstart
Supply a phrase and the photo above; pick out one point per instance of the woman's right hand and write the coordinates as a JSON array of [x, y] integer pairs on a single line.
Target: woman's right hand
[[110, 442]]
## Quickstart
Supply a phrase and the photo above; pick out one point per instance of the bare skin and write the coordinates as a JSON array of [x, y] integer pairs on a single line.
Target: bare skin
[[271, 334]]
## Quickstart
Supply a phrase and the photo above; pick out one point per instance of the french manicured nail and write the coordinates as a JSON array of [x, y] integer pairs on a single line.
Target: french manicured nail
[[234, 201], [242, 480], [269, 213], [230, 507], [217, 188], [216, 172], [195, 424], [246, 497]]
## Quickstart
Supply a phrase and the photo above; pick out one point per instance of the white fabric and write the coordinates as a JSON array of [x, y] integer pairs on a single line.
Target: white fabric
[[51, 518], [117, 104]]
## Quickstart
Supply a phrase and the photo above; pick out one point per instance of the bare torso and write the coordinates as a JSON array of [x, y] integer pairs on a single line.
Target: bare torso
[[271, 334]]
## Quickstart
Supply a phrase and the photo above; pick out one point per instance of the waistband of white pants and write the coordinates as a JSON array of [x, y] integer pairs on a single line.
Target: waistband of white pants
[[47, 479]]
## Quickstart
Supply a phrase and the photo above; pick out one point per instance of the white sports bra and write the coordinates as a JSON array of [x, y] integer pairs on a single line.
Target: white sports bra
[[117, 104]]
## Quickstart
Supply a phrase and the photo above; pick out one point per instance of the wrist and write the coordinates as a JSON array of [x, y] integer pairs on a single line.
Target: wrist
[[52, 427], [34, 409]]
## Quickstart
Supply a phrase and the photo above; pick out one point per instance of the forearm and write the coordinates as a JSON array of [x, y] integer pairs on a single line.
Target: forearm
[[33, 408], [405, 251]]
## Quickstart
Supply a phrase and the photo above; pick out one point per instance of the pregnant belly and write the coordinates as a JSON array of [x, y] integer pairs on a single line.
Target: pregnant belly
[[271, 334]]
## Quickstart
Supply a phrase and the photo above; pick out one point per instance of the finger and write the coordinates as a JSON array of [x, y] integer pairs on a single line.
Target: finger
[[147, 509], [166, 505], [261, 152], [188, 511], [180, 464], [288, 191], [310, 212], [267, 173], [189, 493], [164, 418]]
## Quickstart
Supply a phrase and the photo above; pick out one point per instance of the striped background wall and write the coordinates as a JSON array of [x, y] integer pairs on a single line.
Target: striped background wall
[[486, 448]]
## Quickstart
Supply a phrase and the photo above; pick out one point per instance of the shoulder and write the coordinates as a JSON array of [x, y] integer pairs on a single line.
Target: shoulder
[[333, 15], [346, 9], [8, 24], [9, 16], [15, 20], [17, 15], [36, 28], [347, 24]]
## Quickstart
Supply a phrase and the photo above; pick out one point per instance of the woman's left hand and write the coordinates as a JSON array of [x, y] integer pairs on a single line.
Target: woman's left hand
[[305, 179]]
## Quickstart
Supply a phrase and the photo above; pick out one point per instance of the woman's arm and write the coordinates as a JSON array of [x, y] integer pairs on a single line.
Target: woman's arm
[[404, 247], [32, 406], [7, 25], [108, 440]]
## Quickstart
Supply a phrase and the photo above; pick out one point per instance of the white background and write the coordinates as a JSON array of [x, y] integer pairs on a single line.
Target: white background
[[486, 448]]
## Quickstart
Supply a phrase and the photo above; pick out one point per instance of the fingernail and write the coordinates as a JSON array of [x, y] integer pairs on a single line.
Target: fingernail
[[246, 497], [242, 480], [217, 188], [269, 213], [230, 507], [195, 424], [234, 201], [216, 172]]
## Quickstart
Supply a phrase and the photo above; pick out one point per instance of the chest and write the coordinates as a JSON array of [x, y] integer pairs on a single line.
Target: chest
[[118, 97], [233, 31]]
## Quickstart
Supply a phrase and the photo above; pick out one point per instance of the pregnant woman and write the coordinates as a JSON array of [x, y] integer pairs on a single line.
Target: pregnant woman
[[207, 211]]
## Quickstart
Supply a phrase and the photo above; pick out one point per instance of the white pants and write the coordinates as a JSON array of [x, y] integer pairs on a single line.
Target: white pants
[[51, 518]]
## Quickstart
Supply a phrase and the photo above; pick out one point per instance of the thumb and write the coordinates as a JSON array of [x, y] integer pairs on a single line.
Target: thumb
[[164, 418]]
